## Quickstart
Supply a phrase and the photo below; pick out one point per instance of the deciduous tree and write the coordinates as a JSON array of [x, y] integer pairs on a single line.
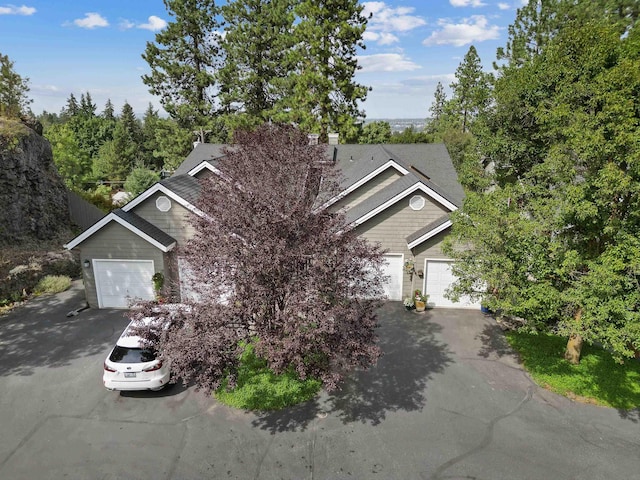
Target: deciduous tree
[[272, 266], [554, 240]]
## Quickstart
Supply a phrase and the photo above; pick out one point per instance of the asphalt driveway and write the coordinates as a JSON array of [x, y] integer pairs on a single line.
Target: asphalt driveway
[[447, 401]]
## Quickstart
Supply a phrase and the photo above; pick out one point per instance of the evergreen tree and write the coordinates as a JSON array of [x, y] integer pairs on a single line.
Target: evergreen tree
[[87, 107], [117, 157], [13, 90], [173, 144], [109, 112], [256, 43], [322, 94], [471, 90], [149, 140], [183, 62], [438, 105]]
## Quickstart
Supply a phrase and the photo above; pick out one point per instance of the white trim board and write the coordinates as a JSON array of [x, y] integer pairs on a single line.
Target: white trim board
[[158, 187], [416, 186], [429, 234], [202, 166], [113, 217], [390, 164]]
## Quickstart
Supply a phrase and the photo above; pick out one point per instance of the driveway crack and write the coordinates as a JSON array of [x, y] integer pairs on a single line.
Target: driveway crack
[[485, 441]]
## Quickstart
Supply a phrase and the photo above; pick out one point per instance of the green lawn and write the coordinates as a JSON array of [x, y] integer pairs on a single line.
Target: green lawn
[[258, 388], [597, 379]]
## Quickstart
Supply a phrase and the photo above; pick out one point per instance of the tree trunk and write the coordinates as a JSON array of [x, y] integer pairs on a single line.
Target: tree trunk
[[574, 347]]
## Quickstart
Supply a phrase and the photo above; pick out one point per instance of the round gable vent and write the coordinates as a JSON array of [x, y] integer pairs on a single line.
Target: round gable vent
[[417, 202], [163, 204]]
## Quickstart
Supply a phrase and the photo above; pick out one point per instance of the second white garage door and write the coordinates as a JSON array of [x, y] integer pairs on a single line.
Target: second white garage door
[[392, 269], [118, 281], [438, 278]]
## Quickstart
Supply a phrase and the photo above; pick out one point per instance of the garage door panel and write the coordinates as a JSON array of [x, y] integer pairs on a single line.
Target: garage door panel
[[392, 269], [438, 279], [118, 281]]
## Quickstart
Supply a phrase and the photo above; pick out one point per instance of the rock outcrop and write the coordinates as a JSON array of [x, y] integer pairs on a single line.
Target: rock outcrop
[[33, 197]]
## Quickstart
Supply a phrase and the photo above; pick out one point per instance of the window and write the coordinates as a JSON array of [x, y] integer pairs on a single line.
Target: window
[[163, 204], [417, 202], [132, 355]]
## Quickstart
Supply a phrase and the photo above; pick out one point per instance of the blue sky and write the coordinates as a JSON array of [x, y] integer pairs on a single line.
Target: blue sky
[[68, 47]]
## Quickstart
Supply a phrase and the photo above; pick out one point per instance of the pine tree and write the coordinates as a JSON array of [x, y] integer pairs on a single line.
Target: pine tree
[[13, 90], [109, 112], [87, 107], [471, 91], [323, 95], [256, 43], [71, 109], [183, 61], [439, 101]]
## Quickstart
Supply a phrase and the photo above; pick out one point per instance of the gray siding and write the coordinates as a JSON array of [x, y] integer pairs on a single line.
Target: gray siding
[[391, 227], [373, 186], [175, 222], [115, 242]]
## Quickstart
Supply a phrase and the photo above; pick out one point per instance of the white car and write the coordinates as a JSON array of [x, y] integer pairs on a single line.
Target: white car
[[130, 366]]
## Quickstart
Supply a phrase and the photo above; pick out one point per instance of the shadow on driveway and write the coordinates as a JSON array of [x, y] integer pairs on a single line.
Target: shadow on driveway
[[412, 354], [39, 333]]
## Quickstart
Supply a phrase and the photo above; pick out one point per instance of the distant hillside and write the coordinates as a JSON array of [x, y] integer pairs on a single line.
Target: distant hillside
[[400, 124]]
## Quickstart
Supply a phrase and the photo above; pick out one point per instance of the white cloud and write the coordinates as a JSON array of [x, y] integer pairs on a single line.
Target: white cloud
[[91, 20], [126, 24], [383, 38], [385, 20], [14, 10], [386, 62], [473, 29], [467, 3], [154, 24], [504, 6]]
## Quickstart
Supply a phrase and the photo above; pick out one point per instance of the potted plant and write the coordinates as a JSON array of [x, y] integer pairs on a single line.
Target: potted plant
[[420, 300], [409, 303]]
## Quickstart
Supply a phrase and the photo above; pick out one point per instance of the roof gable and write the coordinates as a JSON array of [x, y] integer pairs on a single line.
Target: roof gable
[[183, 189], [390, 195], [133, 223]]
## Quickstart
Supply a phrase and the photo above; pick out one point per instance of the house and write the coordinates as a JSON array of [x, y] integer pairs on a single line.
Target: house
[[398, 195]]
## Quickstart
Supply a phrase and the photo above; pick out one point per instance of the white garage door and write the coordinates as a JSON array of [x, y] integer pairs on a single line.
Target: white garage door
[[118, 281], [392, 269], [438, 278]]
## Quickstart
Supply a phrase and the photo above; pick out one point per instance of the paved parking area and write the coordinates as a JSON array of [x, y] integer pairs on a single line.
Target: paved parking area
[[447, 401]]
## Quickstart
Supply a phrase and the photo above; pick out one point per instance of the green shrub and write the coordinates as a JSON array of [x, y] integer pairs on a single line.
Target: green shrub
[[258, 388], [52, 284]]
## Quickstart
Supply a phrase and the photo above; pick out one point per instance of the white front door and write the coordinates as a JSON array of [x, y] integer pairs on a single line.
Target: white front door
[[393, 269], [120, 281], [438, 278]]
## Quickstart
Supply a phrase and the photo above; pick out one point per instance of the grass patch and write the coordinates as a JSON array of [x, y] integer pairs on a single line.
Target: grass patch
[[52, 284], [258, 388], [597, 379]]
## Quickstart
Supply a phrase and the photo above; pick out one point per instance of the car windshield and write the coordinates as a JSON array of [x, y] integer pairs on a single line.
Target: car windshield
[[132, 355]]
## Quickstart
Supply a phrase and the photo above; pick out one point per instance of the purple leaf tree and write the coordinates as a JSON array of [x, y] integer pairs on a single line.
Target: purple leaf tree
[[270, 265]]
